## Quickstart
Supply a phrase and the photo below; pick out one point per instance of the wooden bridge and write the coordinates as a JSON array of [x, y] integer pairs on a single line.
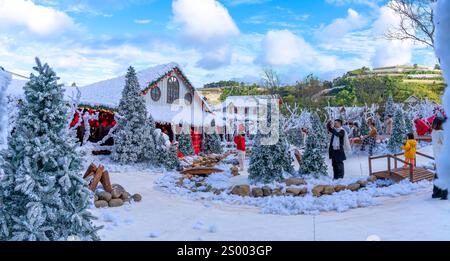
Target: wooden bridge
[[396, 173]]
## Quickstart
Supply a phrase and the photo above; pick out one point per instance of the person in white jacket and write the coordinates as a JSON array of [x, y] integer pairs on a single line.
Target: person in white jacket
[[438, 142]]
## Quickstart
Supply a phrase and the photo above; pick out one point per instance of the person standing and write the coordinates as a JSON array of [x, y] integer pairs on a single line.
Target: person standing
[[410, 148], [438, 142], [239, 140], [370, 139], [337, 148], [389, 123]]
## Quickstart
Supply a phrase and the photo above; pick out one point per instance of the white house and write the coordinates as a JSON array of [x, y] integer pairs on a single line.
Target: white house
[[161, 86]]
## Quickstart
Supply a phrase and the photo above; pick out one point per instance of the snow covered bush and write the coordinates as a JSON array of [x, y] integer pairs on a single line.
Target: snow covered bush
[[42, 193], [442, 22], [131, 137], [313, 163], [398, 133], [268, 162]]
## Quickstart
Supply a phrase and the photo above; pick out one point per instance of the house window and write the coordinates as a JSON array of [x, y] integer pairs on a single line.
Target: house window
[[188, 97], [173, 89], [155, 93]]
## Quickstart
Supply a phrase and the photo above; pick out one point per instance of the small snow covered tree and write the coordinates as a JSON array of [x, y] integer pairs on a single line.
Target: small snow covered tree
[[313, 163], [211, 142], [398, 133], [389, 108], [150, 148], [319, 130], [130, 138], [171, 162], [268, 162], [185, 142], [409, 124], [42, 193], [295, 137]]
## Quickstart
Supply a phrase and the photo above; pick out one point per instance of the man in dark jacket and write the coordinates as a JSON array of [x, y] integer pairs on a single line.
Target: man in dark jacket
[[336, 150]]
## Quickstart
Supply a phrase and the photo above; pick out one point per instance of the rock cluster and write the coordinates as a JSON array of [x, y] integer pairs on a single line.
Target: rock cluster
[[116, 198]]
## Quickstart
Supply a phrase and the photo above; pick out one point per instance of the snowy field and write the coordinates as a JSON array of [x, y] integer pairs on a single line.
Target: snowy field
[[164, 216]]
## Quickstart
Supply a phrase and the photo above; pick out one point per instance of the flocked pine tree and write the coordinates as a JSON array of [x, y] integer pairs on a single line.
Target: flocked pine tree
[[364, 126], [185, 142], [172, 162], [268, 162], [150, 151], [131, 137], [409, 124], [398, 133], [313, 163], [389, 108], [319, 130], [42, 193], [295, 137], [211, 142]]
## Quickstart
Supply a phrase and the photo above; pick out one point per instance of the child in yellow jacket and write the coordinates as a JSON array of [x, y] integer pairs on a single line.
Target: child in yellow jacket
[[410, 148]]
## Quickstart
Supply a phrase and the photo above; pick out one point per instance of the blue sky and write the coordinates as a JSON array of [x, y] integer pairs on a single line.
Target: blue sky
[[91, 40]]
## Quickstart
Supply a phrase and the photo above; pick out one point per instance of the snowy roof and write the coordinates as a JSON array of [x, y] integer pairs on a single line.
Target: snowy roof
[[108, 92], [246, 101]]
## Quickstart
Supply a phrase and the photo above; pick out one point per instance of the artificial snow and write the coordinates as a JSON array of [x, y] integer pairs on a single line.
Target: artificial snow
[[442, 22], [5, 79]]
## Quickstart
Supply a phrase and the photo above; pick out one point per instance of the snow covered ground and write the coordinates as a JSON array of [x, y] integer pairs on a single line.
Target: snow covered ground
[[163, 216]]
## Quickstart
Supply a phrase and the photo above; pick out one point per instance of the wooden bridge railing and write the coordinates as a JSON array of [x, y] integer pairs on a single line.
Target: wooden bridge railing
[[397, 159]]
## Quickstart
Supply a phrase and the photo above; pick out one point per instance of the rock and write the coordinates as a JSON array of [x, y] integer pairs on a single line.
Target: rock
[[354, 186], [277, 192], [267, 191], [101, 204], [104, 196], [303, 191], [125, 196], [295, 182], [362, 183], [115, 202], [116, 193], [216, 191], [241, 190], [328, 190], [118, 187], [293, 191], [317, 190], [95, 197], [257, 192], [137, 197], [372, 178], [234, 171], [339, 188]]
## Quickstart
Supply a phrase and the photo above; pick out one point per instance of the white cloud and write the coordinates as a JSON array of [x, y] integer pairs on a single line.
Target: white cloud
[[370, 3], [203, 21], [35, 19], [142, 21], [247, 2], [387, 52], [283, 47], [341, 26]]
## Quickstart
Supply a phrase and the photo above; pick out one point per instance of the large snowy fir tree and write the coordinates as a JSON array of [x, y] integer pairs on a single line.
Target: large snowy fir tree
[[131, 136], [399, 132], [389, 108], [313, 162], [319, 130], [269, 162], [42, 194]]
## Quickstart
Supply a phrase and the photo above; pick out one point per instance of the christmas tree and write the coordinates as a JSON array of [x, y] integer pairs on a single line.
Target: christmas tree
[[42, 194], [211, 142], [389, 108], [268, 162], [364, 126], [150, 149], [295, 137], [185, 142], [313, 163], [398, 133], [409, 124], [171, 162], [319, 130], [130, 139]]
